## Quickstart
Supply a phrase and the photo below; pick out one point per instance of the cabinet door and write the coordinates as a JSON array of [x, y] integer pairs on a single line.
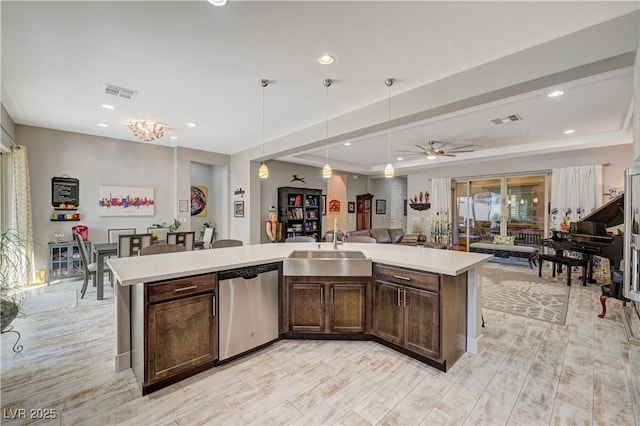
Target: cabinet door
[[346, 307], [422, 322], [387, 312], [180, 335], [306, 307]]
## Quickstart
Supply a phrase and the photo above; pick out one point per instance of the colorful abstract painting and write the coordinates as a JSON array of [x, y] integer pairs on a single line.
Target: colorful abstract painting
[[126, 201], [199, 201]]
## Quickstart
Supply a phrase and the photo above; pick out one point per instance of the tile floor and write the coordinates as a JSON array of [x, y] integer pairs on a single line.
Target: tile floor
[[530, 372]]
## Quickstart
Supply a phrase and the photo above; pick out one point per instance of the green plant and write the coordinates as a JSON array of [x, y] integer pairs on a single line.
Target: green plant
[[15, 267], [175, 225]]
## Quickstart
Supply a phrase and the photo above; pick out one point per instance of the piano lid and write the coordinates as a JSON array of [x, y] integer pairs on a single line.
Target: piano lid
[[610, 213]]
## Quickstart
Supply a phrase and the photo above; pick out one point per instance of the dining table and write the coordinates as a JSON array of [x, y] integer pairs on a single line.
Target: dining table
[[100, 251]]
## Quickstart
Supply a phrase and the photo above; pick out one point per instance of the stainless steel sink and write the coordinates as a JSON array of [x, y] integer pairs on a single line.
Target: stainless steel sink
[[327, 263]]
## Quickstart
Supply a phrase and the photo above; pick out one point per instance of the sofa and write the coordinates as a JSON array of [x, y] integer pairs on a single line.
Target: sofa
[[508, 247], [381, 235]]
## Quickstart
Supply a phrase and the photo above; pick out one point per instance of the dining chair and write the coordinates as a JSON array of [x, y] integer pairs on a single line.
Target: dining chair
[[130, 245], [160, 232], [300, 239], [185, 239], [226, 243], [207, 238], [89, 269], [161, 248], [114, 233], [360, 239]]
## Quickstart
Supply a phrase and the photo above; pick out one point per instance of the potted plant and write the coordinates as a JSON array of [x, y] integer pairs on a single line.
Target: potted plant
[[15, 266]]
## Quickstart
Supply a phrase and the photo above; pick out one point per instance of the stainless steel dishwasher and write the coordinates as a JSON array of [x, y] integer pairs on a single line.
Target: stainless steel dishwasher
[[248, 309]]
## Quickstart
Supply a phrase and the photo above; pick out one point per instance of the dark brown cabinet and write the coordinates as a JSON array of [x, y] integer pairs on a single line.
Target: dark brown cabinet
[[364, 208], [421, 312], [327, 305], [300, 212], [174, 334]]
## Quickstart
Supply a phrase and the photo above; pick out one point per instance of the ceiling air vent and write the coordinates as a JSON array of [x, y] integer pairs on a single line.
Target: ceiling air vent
[[507, 119], [114, 90]]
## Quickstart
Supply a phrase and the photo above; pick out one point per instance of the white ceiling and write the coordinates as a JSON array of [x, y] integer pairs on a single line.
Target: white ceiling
[[190, 61]]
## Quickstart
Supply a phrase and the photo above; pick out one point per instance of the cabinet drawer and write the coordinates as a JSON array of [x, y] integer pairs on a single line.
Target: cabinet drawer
[[408, 277], [172, 289]]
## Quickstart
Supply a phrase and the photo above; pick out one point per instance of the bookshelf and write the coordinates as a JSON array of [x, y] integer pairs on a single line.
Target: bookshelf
[[300, 212]]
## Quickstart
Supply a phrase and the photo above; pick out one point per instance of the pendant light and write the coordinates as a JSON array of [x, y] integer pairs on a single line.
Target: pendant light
[[326, 170], [263, 171], [388, 169]]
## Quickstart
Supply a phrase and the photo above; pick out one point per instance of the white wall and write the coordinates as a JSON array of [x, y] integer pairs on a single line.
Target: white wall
[[381, 189], [94, 161]]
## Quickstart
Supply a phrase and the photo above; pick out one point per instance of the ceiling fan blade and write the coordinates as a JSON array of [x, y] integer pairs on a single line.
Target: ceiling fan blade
[[460, 152], [442, 144], [448, 155], [408, 151], [455, 148], [423, 148]]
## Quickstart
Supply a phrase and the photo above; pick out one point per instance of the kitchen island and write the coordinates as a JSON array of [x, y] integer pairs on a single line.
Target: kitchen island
[[135, 271]]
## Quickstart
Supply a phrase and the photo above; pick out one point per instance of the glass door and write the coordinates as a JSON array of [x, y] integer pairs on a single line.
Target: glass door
[[506, 205]]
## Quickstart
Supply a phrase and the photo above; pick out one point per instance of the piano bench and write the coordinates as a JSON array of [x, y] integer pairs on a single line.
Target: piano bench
[[504, 251], [567, 261]]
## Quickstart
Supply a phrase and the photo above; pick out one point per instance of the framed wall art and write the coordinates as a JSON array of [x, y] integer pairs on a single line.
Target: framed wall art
[[381, 206], [199, 201], [238, 209], [125, 201], [351, 207]]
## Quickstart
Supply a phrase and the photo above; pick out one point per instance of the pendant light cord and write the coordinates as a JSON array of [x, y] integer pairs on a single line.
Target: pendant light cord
[[263, 87], [327, 144], [389, 129]]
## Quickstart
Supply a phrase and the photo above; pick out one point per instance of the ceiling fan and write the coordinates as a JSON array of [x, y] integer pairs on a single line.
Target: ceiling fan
[[431, 151]]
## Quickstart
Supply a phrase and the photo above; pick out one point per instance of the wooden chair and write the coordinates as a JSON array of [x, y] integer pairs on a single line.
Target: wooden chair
[[300, 239], [114, 233], [130, 245], [361, 239], [226, 243], [161, 248], [185, 239], [207, 238], [89, 269], [160, 232]]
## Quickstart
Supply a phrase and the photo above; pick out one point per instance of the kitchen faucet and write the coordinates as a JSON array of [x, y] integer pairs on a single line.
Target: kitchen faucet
[[335, 233]]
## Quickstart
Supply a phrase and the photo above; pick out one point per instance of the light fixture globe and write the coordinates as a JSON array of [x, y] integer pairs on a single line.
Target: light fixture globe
[[389, 172], [146, 130], [326, 171], [263, 171]]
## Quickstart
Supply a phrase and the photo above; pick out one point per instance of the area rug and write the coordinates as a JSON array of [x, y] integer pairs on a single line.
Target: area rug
[[45, 302], [518, 290]]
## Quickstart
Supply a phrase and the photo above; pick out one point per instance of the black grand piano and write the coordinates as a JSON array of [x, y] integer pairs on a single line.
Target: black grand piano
[[589, 235]]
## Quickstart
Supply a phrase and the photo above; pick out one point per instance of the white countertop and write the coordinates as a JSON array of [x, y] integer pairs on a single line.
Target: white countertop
[[134, 270]]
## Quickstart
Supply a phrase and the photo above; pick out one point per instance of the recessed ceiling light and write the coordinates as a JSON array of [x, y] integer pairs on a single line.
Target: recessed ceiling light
[[107, 106], [326, 59], [347, 144], [569, 131], [103, 125], [175, 138], [192, 125], [218, 2], [555, 93], [400, 158]]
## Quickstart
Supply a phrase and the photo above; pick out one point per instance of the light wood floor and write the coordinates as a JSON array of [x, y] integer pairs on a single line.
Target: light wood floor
[[530, 373]]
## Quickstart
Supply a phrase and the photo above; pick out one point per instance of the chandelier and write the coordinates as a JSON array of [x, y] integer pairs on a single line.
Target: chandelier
[[146, 130]]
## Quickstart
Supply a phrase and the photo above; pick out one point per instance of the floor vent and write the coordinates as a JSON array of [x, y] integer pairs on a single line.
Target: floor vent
[[114, 90], [507, 119]]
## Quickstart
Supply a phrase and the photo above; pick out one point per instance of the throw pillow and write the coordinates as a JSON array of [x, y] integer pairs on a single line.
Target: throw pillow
[[506, 240]]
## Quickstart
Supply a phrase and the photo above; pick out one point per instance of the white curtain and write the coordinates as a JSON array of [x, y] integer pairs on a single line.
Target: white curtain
[[22, 200], [575, 192], [440, 226]]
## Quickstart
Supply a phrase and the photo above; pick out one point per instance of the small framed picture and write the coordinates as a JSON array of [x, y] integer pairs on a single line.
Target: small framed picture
[[351, 207], [324, 205], [238, 209], [381, 206], [183, 206]]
